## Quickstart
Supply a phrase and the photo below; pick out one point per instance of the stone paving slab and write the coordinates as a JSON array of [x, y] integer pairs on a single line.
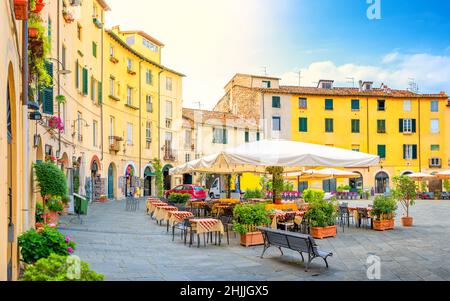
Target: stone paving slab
[[130, 246]]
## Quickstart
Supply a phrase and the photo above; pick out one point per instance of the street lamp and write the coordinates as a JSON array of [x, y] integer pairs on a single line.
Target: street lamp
[[63, 71]]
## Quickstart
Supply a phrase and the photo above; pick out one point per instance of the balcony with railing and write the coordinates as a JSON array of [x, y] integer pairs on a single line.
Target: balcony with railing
[[169, 155], [114, 143]]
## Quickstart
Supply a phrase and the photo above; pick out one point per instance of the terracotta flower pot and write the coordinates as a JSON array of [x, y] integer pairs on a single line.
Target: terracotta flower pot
[[278, 201], [252, 239], [52, 218], [33, 32], [39, 6], [20, 9], [407, 221], [383, 225], [323, 232]]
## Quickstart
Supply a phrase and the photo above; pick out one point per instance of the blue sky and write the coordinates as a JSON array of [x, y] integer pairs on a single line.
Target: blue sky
[[211, 40]]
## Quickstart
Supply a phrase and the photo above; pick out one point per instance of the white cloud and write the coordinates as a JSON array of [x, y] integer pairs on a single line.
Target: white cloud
[[432, 73], [390, 57]]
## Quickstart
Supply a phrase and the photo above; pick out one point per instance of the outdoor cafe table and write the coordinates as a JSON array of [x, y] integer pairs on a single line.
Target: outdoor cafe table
[[206, 225], [354, 210], [229, 201], [196, 205], [152, 207], [152, 201], [281, 214], [160, 212], [175, 217]]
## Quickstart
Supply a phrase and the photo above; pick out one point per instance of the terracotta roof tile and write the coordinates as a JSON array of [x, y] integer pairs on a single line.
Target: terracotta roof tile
[[342, 91]]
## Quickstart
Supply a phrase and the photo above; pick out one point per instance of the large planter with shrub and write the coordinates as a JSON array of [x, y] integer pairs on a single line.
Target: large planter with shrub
[[21, 9], [178, 199], [323, 232], [321, 214], [247, 218], [383, 213]]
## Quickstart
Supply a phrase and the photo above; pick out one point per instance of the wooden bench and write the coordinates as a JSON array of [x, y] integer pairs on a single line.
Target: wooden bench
[[294, 241]]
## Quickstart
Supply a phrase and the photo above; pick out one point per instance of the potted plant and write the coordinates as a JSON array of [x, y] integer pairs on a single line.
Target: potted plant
[[179, 200], [405, 192], [55, 207], [253, 194], [59, 268], [247, 217], [383, 213], [321, 214], [36, 6], [35, 245]]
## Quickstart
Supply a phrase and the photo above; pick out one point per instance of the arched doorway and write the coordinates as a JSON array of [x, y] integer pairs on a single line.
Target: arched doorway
[[356, 184], [381, 182], [167, 177], [111, 177], [129, 183], [148, 179], [407, 172], [435, 185]]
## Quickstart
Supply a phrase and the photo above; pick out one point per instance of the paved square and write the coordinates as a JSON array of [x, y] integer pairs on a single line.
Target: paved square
[[131, 246]]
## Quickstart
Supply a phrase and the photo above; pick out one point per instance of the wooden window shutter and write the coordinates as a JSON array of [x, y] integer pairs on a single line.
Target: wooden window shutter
[[85, 82], [414, 126], [400, 125], [100, 92], [47, 93]]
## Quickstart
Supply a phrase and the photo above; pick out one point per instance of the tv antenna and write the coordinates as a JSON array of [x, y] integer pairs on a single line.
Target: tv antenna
[[264, 68], [299, 77], [413, 86], [199, 103], [351, 80]]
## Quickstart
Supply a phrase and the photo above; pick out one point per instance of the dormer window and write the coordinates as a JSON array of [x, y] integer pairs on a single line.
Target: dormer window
[[266, 84], [325, 84]]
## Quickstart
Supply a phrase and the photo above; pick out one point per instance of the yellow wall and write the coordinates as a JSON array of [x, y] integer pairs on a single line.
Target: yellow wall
[[368, 139]]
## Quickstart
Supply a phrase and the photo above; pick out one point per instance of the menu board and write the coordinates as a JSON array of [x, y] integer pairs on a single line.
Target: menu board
[[99, 188]]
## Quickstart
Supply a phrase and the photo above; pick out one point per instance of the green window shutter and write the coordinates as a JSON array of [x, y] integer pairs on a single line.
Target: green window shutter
[[328, 104], [47, 93], [329, 125], [382, 151], [247, 136], [94, 49], [355, 104], [414, 154], [414, 126], [92, 88], [400, 125], [77, 75], [303, 125], [225, 141], [355, 125], [85, 82], [404, 151], [100, 92]]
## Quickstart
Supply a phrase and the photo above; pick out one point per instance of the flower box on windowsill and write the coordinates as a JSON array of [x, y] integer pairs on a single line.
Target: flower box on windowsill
[[68, 16], [131, 72], [113, 60], [114, 98], [39, 6]]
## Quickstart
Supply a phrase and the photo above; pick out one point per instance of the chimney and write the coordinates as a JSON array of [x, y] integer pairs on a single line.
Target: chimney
[[360, 85], [116, 28]]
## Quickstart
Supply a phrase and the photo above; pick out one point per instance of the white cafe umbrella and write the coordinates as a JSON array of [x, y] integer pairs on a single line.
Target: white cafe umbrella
[[420, 176], [326, 173], [81, 189], [444, 175], [292, 155]]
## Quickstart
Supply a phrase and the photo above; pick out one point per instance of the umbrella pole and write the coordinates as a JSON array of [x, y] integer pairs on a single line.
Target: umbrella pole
[[229, 186]]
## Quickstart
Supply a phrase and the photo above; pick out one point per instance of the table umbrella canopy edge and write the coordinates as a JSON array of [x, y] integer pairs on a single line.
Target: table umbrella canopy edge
[[257, 156]]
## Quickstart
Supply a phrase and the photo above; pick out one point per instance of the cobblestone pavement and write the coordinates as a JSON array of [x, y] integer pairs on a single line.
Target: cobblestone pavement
[[131, 246]]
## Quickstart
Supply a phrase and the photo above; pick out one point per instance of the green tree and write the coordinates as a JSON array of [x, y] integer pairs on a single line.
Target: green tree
[[446, 185], [159, 178], [277, 181], [405, 192]]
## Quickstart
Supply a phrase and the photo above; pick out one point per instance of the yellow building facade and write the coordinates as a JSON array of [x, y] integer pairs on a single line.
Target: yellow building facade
[[12, 216], [135, 115], [407, 130]]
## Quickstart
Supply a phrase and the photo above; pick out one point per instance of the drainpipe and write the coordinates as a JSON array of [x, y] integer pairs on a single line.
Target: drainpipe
[[419, 148], [140, 117], [103, 94], [26, 141], [59, 76], [159, 114]]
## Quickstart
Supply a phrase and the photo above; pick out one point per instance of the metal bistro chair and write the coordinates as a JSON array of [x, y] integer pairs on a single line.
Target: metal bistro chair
[[227, 222], [132, 204], [344, 215], [184, 227], [363, 217]]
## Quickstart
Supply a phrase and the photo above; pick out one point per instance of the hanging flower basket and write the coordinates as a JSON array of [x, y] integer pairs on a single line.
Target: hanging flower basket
[[68, 16], [20, 9], [56, 123], [39, 6]]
